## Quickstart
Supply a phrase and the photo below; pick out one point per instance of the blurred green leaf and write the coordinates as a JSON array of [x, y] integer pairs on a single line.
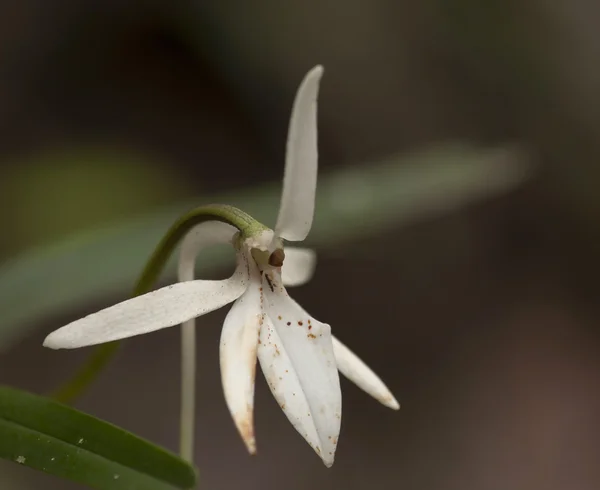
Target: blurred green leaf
[[45, 435], [82, 185], [354, 202]]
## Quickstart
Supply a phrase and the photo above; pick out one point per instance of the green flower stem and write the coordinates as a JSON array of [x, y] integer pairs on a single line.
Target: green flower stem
[[102, 354]]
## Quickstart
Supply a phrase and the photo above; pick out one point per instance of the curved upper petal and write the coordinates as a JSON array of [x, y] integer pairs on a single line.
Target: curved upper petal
[[360, 374], [158, 309], [199, 237], [238, 350], [300, 177], [296, 356], [298, 266]]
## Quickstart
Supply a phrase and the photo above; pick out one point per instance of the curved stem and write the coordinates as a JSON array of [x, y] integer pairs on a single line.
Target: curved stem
[[103, 354]]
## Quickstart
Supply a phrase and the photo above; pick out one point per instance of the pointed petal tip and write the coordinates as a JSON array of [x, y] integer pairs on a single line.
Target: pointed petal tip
[[328, 460], [317, 71], [52, 342], [245, 427], [251, 446], [63, 338], [327, 454], [313, 78], [47, 343], [389, 401], [351, 366], [392, 403]]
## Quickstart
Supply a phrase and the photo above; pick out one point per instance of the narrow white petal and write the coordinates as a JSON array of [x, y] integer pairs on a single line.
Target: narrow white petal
[[198, 238], [201, 236], [296, 356], [158, 309], [298, 266], [238, 348], [360, 374], [300, 177]]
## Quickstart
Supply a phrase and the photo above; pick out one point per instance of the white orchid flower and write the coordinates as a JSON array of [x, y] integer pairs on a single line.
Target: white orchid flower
[[298, 355]]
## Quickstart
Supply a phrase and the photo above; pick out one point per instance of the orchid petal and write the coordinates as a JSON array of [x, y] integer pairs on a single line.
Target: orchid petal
[[296, 356], [158, 309], [360, 374], [298, 266], [300, 177], [238, 352], [201, 236]]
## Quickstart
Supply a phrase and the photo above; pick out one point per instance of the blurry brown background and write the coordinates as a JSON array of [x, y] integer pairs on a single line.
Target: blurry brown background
[[484, 323]]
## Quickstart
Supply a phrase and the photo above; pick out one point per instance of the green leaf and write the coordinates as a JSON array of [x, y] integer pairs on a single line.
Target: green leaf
[[47, 436], [134, 183], [352, 203]]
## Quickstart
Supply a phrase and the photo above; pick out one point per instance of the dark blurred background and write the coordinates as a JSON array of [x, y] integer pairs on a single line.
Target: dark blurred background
[[483, 322]]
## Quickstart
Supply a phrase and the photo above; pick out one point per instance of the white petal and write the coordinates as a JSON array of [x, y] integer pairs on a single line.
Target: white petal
[[298, 266], [300, 177], [158, 309], [198, 238], [201, 236], [359, 373], [238, 348], [296, 356]]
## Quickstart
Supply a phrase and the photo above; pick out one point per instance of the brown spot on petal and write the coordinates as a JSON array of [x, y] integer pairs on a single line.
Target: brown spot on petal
[[279, 317], [311, 336], [300, 323], [289, 323]]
